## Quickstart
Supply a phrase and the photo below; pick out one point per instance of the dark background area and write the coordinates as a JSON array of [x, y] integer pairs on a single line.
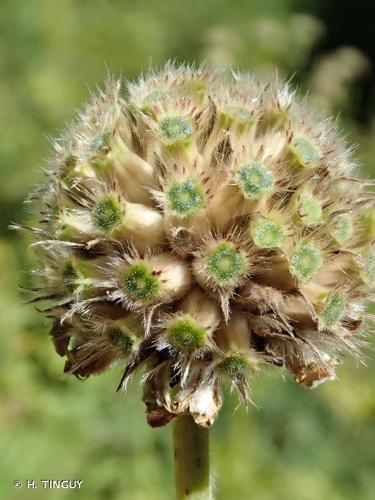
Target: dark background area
[[348, 23]]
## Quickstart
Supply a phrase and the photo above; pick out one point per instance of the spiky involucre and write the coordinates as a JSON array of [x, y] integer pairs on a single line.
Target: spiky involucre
[[199, 227]]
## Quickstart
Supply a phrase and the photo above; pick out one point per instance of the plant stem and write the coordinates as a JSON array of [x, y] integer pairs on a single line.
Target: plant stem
[[191, 453]]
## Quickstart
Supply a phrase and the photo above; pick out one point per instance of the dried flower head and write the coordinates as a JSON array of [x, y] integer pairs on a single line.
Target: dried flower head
[[203, 226]]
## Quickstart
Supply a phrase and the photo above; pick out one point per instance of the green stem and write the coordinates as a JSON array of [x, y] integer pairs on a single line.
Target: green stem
[[191, 453]]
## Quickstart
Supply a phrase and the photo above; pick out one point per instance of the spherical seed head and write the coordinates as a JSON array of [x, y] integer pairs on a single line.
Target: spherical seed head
[[139, 283], [254, 179], [311, 209], [176, 128], [185, 198], [107, 214], [185, 335], [304, 150], [200, 224], [225, 263], [233, 366], [120, 340], [268, 234], [306, 260], [334, 309], [341, 228]]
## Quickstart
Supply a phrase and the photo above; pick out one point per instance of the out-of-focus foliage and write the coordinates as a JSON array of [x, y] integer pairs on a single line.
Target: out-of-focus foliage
[[296, 444]]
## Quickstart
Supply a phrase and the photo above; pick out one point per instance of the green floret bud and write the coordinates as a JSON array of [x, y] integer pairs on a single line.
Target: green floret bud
[[234, 366], [341, 228], [306, 260], [176, 128], [254, 179], [268, 234], [226, 264], [185, 335], [139, 283], [120, 340], [107, 214], [310, 209], [334, 309], [304, 151], [185, 198]]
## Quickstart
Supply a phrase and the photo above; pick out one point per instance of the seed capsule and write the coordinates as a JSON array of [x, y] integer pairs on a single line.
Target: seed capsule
[[310, 209], [107, 214], [185, 198], [185, 334], [120, 340], [254, 179], [175, 129], [306, 260], [226, 264], [267, 233], [304, 151], [341, 228], [333, 310]]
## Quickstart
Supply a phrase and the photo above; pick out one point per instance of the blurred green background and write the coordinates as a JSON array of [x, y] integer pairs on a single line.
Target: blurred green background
[[296, 444]]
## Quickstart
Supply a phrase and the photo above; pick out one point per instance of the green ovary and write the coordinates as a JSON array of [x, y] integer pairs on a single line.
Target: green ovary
[[176, 128], [341, 228], [306, 260], [234, 365], [184, 334], [268, 234], [226, 264], [120, 340], [310, 209], [254, 179], [107, 214], [334, 309], [185, 198], [305, 151], [139, 283]]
